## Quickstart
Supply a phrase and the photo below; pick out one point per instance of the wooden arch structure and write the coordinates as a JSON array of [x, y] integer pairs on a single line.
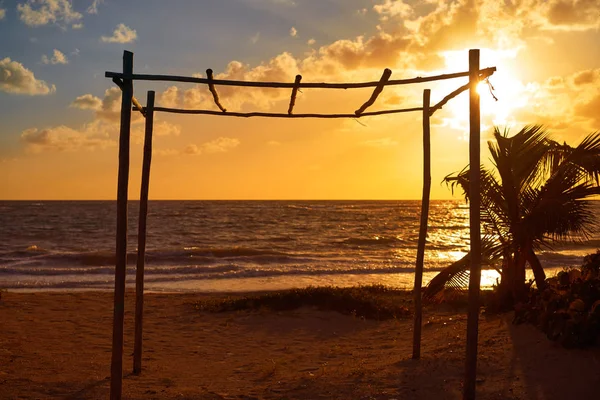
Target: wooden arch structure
[[124, 80]]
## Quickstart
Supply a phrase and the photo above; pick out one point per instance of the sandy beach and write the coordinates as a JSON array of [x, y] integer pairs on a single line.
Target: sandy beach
[[58, 346]]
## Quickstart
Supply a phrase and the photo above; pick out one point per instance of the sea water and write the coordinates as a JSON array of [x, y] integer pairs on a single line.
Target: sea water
[[241, 245]]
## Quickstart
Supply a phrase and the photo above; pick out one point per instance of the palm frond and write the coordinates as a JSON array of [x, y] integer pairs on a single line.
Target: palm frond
[[455, 277]]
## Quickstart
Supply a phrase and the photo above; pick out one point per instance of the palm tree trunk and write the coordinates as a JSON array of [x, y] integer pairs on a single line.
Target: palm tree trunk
[[538, 270], [518, 284]]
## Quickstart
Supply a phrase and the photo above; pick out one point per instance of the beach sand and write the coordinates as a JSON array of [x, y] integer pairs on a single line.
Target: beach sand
[[58, 346]]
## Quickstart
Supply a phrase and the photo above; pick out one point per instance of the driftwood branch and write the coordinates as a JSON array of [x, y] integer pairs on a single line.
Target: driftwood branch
[[288, 85], [378, 89], [294, 93], [135, 102], [211, 87], [484, 74], [281, 115]]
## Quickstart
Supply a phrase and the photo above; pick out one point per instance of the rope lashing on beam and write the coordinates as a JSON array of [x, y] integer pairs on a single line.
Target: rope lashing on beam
[[294, 93], [378, 89], [491, 88], [211, 87]]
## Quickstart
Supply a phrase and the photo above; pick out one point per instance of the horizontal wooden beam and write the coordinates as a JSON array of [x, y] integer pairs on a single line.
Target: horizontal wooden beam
[[289, 85], [280, 115]]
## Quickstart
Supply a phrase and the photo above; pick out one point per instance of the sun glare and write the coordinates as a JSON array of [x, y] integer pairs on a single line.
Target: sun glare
[[501, 96]]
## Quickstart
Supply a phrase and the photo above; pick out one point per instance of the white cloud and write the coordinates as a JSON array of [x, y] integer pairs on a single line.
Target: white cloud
[[293, 32], [121, 34], [15, 78], [310, 42], [58, 57], [44, 12], [163, 128], [2, 13], [169, 98], [392, 9], [77, 26], [92, 136], [100, 133], [87, 102], [93, 8], [254, 39]]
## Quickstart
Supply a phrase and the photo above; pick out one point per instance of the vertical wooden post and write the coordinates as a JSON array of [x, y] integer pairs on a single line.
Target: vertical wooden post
[[474, 227], [116, 367], [423, 227], [141, 252]]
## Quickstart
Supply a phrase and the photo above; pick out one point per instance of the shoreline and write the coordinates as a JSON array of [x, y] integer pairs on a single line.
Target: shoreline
[[58, 345]]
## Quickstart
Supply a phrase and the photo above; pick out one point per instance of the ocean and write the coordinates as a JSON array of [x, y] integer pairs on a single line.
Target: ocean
[[240, 245]]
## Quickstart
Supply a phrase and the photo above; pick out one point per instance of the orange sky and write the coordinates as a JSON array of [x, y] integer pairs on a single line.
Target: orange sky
[[546, 54]]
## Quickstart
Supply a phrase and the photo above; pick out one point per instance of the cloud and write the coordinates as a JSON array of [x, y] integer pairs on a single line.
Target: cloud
[[191, 149], [219, 145], [570, 14], [121, 34], [310, 42], [293, 32], [392, 9], [2, 13], [283, 67], [589, 109], [87, 102], [15, 78], [111, 107], [62, 138], [58, 57], [254, 39], [163, 128], [77, 26], [169, 98], [45, 12], [585, 77], [98, 134], [93, 8]]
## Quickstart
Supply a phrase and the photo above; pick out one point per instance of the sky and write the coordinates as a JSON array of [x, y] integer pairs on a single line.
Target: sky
[[59, 115]]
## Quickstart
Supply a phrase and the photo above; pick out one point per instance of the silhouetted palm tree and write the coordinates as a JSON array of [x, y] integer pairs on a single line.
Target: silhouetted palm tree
[[536, 195]]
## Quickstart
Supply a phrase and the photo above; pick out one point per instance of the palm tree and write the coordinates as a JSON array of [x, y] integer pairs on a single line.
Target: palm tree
[[536, 195]]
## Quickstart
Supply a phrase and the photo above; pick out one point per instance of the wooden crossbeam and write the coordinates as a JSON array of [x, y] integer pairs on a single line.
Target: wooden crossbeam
[[453, 94], [135, 102], [288, 85], [376, 92], [294, 93], [281, 115], [211, 87]]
